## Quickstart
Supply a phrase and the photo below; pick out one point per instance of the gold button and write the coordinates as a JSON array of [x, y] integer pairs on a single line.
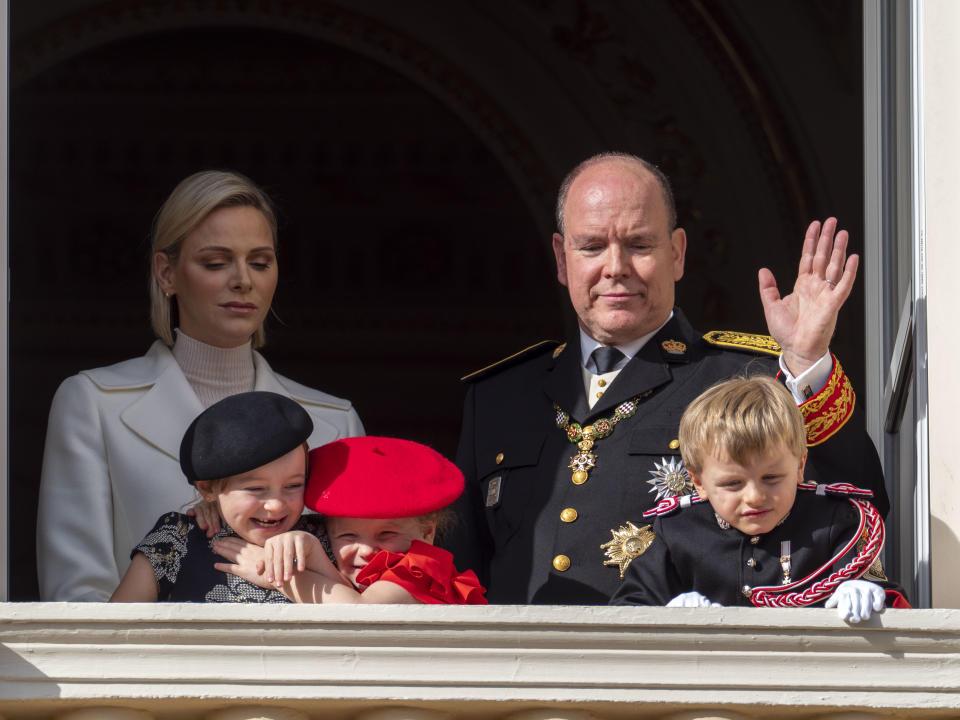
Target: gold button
[[751, 562], [755, 539], [499, 458], [601, 382], [745, 589], [579, 477], [674, 444], [561, 563], [599, 394], [568, 515]]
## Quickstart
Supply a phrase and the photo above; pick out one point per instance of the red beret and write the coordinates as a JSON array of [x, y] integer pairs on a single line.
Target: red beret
[[379, 477]]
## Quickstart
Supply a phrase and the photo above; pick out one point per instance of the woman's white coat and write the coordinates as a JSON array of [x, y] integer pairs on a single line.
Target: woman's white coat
[[111, 464]]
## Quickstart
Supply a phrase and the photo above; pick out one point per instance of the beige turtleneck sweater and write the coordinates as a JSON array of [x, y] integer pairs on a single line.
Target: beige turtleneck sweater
[[214, 373]]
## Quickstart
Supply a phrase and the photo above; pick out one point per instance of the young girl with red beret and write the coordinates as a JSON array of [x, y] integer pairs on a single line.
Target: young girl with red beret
[[383, 501]]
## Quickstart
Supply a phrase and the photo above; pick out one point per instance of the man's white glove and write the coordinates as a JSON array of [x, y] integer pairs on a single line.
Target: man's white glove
[[692, 599], [854, 600]]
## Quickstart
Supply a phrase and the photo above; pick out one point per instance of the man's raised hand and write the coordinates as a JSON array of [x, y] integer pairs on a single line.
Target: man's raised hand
[[803, 321]]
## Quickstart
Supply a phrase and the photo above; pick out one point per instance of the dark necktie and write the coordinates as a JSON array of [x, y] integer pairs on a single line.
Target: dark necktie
[[605, 359]]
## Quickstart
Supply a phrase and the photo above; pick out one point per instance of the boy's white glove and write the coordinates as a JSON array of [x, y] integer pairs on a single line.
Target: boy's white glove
[[854, 600], [692, 599]]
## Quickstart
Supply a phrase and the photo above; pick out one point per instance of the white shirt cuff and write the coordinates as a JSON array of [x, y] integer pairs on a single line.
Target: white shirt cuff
[[809, 382]]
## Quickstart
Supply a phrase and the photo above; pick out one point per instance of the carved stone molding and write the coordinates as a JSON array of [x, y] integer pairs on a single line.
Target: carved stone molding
[[255, 712], [105, 713], [404, 713], [517, 662]]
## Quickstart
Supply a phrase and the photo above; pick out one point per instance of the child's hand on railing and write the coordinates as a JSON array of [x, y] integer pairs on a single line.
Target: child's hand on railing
[[854, 599], [692, 599]]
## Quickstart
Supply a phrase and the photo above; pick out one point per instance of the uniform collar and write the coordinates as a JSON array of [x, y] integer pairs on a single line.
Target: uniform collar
[[588, 345], [675, 342], [651, 366]]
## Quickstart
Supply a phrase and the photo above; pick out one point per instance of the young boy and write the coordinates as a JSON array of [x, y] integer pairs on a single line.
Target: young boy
[[751, 537]]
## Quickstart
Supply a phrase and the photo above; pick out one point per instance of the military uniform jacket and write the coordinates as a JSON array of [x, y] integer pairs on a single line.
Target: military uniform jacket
[[535, 537], [693, 551]]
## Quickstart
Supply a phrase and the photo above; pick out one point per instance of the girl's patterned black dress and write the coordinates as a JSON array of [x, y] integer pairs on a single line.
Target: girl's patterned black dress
[[182, 557]]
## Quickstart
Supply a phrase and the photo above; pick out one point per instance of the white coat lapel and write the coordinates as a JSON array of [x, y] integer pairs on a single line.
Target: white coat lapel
[[266, 379], [162, 414]]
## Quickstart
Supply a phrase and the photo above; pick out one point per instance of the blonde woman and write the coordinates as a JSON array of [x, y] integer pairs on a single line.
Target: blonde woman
[[111, 462]]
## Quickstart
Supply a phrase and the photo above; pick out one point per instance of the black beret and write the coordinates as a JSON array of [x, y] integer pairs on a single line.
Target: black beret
[[240, 433]]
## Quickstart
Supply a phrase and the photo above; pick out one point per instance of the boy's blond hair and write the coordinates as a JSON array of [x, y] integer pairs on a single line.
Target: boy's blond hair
[[743, 417]]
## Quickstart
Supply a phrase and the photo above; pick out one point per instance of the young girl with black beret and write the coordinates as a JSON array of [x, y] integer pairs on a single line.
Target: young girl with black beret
[[247, 455]]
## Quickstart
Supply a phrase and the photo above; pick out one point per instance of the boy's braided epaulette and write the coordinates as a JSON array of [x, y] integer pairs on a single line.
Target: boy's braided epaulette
[[511, 360], [841, 489], [748, 342], [671, 504]]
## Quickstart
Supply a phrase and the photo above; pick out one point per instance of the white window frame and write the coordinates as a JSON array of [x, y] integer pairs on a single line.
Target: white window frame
[[4, 294], [895, 307]]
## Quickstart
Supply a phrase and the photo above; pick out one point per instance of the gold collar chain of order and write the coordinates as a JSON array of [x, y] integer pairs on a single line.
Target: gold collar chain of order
[[586, 436]]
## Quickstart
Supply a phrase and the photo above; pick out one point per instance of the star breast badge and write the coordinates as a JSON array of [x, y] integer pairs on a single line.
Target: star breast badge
[[628, 542], [670, 478]]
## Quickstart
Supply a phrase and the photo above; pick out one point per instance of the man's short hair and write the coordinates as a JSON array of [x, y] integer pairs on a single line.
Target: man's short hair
[[743, 417], [657, 173]]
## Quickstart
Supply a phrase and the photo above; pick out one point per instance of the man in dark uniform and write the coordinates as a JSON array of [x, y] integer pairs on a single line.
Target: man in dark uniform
[[563, 446]]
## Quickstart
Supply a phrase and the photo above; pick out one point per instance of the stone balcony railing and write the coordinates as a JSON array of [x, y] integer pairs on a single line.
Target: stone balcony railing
[[228, 662]]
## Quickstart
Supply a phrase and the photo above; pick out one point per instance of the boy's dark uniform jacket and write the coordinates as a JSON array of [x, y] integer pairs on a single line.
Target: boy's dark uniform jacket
[[689, 550], [532, 535]]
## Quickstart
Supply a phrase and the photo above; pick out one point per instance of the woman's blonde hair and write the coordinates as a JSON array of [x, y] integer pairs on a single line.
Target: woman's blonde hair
[[743, 417], [191, 201]]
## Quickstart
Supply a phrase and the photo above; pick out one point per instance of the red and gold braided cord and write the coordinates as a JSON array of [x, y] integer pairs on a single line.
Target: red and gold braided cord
[[780, 596]]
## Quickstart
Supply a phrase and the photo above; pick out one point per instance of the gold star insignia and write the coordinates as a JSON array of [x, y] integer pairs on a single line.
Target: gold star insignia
[[628, 542]]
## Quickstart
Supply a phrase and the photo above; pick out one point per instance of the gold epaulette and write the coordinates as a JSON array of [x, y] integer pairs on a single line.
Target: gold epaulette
[[538, 349], [748, 342]]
